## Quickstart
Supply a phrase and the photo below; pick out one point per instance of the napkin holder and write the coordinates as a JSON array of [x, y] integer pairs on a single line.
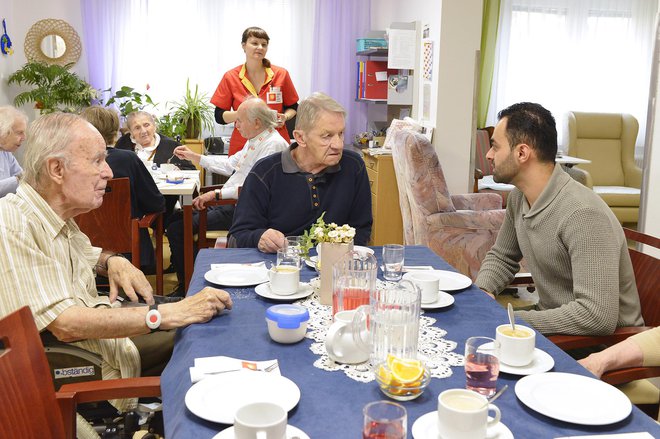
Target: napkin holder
[[330, 253]]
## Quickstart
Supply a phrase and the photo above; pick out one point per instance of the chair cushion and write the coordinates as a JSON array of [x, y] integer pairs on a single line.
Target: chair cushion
[[619, 195]]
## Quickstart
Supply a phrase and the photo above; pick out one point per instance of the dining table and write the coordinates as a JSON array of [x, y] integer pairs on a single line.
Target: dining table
[[331, 401], [186, 191]]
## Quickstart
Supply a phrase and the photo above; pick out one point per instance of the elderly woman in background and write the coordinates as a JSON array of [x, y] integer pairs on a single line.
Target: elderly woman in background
[[257, 77], [13, 124], [145, 196], [148, 144]]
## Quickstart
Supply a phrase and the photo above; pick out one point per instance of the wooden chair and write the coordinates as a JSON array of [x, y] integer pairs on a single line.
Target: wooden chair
[[111, 227], [647, 278], [206, 239], [30, 405]]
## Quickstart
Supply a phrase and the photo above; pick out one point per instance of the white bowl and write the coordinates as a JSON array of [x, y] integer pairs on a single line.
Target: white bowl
[[286, 335]]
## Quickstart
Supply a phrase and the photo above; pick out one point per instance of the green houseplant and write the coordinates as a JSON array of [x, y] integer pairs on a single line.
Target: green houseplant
[[54, 88], [194, 112], [128, 100]]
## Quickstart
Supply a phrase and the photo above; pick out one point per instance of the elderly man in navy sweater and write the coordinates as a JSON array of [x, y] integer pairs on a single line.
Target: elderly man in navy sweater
[[285, 193]]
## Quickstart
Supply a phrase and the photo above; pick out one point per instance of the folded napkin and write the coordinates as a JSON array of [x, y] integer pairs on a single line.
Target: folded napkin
[[209, 366], [642, 435]]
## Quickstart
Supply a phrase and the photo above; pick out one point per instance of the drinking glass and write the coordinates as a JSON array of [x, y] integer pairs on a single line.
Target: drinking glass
[[482, 365], [293, 242], [288, 257], [392, 261], [384, 420]]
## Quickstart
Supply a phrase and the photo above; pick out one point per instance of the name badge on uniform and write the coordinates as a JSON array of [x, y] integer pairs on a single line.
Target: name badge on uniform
[[274, 96]]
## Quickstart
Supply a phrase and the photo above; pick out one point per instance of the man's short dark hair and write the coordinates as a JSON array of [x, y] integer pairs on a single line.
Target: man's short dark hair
[[530, 123]]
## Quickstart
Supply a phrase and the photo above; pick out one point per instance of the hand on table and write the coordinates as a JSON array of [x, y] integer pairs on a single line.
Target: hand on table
[[271, 241], [199, 203], [123, 274], [198, 308]]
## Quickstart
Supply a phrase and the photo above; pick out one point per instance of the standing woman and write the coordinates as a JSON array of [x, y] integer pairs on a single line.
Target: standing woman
[[13, 124], [257, 77]]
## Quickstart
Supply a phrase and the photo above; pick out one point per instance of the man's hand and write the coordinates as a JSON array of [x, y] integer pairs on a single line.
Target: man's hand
[[199, 203], [281, 120], [123, 274], [184, 153], [271, 241], [199, 308]]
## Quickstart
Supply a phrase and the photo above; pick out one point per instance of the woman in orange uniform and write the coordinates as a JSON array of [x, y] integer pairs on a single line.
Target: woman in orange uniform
[[256, 77]]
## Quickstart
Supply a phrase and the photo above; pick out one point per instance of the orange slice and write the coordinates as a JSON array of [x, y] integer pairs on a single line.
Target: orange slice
[[406, 370]]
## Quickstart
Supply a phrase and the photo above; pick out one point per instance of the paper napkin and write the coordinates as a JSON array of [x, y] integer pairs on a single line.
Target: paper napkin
[[209, 366]]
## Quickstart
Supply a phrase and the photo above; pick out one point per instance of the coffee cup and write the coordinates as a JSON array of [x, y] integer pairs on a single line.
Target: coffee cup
[[340, 343], [260, 420], [428, 284], [516, 347], [284, 279], [463, 414]]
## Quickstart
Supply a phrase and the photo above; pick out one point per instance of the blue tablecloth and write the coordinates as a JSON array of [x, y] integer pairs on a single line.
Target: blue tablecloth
[[331, 403]]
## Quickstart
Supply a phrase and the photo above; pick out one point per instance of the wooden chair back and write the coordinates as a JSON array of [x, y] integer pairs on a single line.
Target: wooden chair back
[[203, 240], [112, 228], [29, 406], [647, 275]]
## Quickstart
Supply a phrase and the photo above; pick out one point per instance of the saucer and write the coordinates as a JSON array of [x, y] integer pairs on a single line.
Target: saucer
[[304, 290], [443, 300], [291, 433], [426, 427], [542, 362]]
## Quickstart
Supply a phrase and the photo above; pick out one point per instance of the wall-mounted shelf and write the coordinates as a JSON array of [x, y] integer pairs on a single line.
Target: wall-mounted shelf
[[373, 52]]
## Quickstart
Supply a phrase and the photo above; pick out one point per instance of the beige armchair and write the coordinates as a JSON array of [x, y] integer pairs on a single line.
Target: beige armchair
[[608, 140], [459, 228]]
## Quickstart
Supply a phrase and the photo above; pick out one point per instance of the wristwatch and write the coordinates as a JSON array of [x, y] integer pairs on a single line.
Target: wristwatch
[[217, 194], [153, 318]]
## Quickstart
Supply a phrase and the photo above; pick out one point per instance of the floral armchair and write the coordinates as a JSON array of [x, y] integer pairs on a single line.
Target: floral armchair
[[459, 228]]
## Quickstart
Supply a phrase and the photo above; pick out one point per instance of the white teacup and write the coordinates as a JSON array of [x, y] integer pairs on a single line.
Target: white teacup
[[463, 414], [284, 279], [516, 348], [339, 341], [260, 420], [428, 283]]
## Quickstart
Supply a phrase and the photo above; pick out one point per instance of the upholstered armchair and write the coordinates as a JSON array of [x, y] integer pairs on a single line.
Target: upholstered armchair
[[608, 140], [459, 228]]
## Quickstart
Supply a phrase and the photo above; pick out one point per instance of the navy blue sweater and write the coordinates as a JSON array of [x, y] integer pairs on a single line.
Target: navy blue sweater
[[278, 195]]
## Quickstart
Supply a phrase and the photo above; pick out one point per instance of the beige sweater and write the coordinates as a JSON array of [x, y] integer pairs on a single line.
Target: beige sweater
[[576, 252]]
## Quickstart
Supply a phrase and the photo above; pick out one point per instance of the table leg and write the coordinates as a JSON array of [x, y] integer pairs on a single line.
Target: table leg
[[187, 244]]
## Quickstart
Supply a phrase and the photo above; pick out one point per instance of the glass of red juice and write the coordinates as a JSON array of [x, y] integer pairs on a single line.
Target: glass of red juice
[[482, 365], [384, 420]]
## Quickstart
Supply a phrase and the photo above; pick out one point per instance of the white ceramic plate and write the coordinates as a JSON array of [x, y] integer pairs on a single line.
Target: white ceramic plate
[[304, 290], [443, 300], [573, 398], [311, 261], [426, 427], [542, 362], [217, 398], [449, 280], [239, 276], [291, 433]]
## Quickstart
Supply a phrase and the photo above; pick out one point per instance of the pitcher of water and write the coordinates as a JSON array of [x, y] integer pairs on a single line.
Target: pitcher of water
[[353, 281], [391, 320]]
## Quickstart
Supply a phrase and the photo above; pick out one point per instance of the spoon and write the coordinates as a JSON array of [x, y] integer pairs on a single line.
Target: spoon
[[496, 395], [512, 319]]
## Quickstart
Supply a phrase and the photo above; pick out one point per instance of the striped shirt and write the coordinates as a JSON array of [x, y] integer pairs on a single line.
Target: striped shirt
[[47, 264]]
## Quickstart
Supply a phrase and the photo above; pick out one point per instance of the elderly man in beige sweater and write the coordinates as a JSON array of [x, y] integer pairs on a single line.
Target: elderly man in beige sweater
[[572, 242]]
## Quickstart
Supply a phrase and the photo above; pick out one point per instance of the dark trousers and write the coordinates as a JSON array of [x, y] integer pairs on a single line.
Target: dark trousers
[[155, 351], [217, 218]]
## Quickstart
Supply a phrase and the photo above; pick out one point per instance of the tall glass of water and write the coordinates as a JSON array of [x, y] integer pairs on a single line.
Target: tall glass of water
[[482, 365], [393, 255]]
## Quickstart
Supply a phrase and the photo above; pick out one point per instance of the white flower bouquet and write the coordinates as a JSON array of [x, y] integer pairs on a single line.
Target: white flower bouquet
[[321, 231]]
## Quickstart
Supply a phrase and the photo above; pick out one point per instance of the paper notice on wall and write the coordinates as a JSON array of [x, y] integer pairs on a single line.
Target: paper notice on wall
[[401, 52]]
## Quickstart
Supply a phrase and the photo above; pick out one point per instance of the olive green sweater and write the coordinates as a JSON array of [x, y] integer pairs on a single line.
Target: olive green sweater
[[576, 252]]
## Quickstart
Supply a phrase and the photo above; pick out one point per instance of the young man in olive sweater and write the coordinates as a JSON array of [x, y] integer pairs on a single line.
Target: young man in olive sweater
[[573, 244]]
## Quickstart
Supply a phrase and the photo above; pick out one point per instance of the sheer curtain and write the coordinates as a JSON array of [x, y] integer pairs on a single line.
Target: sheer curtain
[[587, 55], [159, 44]]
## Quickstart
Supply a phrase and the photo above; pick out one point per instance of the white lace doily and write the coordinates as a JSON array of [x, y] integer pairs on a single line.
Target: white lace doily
[[437, 352]]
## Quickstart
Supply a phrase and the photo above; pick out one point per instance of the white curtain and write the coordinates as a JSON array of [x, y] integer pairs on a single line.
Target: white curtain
[[160, 43], [581, 55]]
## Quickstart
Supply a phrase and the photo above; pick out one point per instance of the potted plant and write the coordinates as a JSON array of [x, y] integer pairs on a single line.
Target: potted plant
[[54, 88], [128, 100], [194, 112]]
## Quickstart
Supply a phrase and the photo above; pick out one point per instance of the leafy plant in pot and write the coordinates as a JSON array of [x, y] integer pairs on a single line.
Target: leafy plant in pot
[[54, 88], [194, 112]]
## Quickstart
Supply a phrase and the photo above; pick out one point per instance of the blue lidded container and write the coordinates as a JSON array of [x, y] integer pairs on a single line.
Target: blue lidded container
[[287, 323]]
